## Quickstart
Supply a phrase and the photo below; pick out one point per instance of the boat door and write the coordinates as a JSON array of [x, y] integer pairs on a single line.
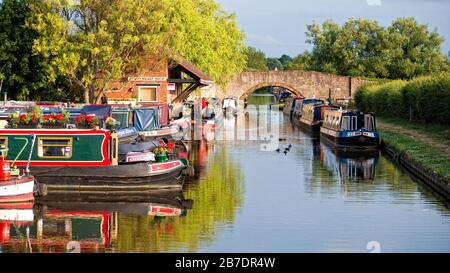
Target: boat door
[[114, 149]]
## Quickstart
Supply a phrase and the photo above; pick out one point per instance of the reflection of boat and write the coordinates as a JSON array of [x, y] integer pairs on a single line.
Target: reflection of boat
[[350, 130], [16, 213], [74, 222], [138, 203], [349, 166], [230, 106]]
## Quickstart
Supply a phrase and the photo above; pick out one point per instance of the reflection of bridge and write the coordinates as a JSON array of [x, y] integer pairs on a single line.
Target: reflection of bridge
[[302, 83]]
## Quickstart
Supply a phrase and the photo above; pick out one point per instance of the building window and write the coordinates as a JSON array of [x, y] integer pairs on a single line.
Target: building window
[[4, 145], [148, 93], [52, 147]]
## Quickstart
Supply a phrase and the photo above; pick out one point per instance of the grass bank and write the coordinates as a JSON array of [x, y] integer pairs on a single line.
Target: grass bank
[[431, 158]]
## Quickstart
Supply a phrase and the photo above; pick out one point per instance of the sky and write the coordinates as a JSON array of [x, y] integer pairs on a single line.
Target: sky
[[278, 26]]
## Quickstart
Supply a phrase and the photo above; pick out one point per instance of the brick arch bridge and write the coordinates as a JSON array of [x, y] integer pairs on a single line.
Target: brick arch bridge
[[308, 84]]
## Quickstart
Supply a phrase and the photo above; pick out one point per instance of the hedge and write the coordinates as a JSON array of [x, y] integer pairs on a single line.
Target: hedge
[[422, 99]]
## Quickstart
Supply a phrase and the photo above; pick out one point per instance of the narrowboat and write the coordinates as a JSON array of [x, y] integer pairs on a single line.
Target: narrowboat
[[350, 130], [300, 103], [312, 116], [146, 121], [85, 160]]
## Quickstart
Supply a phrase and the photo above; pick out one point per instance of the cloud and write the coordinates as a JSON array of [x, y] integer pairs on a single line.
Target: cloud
[[374, 2]]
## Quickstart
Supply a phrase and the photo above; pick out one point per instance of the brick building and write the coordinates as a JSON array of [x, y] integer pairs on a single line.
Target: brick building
[[157, 82]]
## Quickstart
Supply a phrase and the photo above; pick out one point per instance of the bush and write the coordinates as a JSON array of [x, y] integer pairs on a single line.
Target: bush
[[423, 99]]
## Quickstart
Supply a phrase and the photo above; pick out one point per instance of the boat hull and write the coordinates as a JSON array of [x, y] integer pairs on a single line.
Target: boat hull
[[17, 190], [355, 143], [138, 176], [309, 126]]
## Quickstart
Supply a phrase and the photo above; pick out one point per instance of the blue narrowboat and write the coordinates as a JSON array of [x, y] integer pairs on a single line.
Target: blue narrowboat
[[313, 115], [350, 129]]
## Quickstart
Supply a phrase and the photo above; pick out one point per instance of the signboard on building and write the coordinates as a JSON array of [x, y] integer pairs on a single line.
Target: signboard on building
[[147, 79], [171, 87]]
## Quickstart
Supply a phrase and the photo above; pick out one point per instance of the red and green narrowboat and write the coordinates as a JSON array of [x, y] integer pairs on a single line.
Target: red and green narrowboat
[[85, 160]]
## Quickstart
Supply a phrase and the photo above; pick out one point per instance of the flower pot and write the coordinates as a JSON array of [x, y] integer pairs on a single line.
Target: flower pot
[[160, 158], [28, 126], [85, 126], [53, 125]]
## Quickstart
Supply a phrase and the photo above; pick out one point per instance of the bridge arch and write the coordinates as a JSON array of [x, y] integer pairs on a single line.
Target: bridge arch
[[289, 87]]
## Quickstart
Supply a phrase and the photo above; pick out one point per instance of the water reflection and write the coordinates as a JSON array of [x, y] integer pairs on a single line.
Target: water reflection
[[246, 199], [356, 167]]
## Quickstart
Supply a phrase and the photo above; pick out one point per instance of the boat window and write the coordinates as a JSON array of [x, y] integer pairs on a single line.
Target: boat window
[[55, 147], [354, 123], [346, 123], [4, 144], [369, 123]]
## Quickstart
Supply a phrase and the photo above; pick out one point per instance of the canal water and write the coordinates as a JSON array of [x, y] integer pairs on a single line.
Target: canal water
[[246, 198]]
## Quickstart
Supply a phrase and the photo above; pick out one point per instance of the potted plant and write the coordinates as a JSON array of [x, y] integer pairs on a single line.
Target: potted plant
[[87, 121], [25, 120], [13, 120], [162, 151], [54, 120], [110, 122]]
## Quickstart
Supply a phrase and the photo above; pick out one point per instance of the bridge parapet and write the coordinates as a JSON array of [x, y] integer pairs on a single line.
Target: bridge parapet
[[309, 84]]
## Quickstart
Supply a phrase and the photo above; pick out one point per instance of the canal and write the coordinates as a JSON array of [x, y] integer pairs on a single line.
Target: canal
[[246, 198]]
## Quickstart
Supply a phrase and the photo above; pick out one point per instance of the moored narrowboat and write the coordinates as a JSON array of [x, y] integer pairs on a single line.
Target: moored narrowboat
[[300, 103], [84, 159], [313, 115], [350, 129]]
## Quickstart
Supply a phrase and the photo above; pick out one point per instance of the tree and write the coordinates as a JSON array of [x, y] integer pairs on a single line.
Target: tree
[[361, 47], [20, 70], [256, 60], [91, 42], [274, 64], [285, 60], [414, 50], [301, 62]]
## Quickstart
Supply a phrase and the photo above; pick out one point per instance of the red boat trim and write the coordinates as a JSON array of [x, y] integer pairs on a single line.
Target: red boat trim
[[18, 223], [162, 167], [65, 163], [17, 198], [86, 214], [19, 205], [14, 181]]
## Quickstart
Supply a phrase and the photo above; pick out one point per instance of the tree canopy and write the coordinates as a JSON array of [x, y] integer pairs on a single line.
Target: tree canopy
[[256, 60], [90, 42], [404, 50], [21, 71]]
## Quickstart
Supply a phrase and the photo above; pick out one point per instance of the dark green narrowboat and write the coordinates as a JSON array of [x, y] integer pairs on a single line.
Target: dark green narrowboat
[[85, 160]]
